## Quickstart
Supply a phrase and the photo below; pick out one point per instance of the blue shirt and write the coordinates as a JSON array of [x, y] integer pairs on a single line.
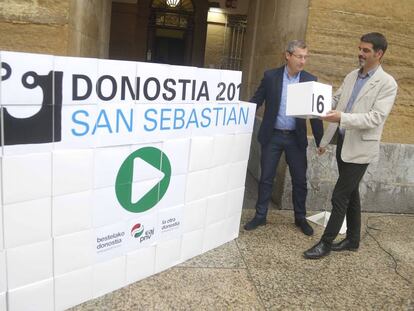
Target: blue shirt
[[282, 121], [359, 84]]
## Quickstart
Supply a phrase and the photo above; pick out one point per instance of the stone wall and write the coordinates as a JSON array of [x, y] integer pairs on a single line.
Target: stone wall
[[270, 26], [333, 32], [332, 29], [33, 26], [70, 27], [387, 186]]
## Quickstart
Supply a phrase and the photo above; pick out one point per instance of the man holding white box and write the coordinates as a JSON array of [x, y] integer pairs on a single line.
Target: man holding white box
[[280, 133], [362, 103]]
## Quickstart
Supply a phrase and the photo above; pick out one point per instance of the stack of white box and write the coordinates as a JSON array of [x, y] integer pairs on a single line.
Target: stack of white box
[[58, 197]]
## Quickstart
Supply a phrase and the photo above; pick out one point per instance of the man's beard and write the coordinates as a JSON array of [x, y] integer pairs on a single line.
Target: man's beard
[[361, 62]]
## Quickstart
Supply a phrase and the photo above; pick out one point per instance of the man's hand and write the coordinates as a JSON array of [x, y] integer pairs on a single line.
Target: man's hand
[[332, 116], [320, 150]]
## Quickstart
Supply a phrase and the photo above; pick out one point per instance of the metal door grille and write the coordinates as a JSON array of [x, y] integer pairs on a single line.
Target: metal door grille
[[235, 31]]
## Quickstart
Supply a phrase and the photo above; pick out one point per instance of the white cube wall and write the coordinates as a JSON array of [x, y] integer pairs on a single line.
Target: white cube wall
[[168, 254], [67, 249], [72, 171], [197, 185], [201, 153], [27, 222], [37, 296], [140, 264], [29, 264], [109, 276], [73, 288], [106, 164], [1, 226], [72, 212], [3, 302], [119, 184], [27, 177], [192, 244], [222, 150], [3, 272], [195, 215]]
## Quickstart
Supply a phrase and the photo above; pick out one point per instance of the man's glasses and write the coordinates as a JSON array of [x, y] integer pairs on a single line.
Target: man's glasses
[[304, 57]]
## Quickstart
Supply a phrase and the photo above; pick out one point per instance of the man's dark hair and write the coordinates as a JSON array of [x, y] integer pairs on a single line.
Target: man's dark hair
[[377, 40]]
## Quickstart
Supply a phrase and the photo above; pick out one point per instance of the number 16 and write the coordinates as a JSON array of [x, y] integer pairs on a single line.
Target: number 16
[[319, 103]]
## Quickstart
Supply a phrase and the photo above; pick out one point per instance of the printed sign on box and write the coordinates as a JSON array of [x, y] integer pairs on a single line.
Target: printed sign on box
[[308, 99], [122, 139]]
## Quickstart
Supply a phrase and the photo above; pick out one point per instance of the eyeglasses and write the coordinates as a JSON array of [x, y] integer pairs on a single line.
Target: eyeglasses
[[305, 57]]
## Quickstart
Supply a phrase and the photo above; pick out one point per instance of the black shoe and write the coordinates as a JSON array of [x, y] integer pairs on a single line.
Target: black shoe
[[345, 245], [254, 223], [318, 251], [304, 226]]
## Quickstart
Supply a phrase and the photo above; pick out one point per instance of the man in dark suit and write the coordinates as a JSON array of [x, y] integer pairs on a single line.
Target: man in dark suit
[[279, 133]]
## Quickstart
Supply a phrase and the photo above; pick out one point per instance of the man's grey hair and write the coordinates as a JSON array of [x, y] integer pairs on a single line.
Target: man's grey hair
[[295, 44]]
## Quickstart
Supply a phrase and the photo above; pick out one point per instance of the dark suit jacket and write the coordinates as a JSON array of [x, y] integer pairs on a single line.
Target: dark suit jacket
[[270, 92]]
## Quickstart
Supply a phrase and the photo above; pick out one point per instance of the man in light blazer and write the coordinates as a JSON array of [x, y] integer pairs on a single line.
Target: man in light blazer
[[280, 133], [362, 104]]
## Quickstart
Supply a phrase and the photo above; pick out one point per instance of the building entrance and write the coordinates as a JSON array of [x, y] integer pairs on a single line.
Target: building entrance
[[170, 34]]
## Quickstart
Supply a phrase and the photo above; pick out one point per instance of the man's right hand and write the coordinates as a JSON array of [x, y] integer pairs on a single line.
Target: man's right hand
[[321, 150]]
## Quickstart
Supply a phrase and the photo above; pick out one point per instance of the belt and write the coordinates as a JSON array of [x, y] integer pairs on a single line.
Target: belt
[[285, 132]]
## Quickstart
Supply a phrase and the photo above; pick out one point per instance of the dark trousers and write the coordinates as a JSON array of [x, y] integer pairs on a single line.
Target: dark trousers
[[297, 162], [345, 200]]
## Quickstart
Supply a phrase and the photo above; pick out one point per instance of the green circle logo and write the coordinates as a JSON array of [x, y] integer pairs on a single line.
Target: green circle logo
[[157, 161]]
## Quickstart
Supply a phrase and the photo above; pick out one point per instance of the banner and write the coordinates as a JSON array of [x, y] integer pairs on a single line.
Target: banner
[[113, 171]]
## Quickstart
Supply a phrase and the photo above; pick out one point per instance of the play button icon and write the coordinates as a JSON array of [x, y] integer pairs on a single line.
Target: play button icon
[[143, 179]]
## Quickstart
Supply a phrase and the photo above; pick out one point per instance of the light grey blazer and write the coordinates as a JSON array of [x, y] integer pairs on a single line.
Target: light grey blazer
[[365, 122]]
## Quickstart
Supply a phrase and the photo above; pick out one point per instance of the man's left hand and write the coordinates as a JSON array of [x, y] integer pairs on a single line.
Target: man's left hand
[[332, 116]]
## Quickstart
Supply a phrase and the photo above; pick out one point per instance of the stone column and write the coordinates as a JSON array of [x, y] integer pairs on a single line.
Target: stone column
[[89, 28]]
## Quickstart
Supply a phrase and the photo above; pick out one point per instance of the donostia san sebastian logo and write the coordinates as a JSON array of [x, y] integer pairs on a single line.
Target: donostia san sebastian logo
[[38, 128], [137, 230], [124, 180]]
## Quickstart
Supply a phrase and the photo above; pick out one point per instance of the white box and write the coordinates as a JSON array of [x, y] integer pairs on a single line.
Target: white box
[[29, 264], [27, 222], [167, 254], [73, 288], [308, 99], [3, 305], [33, 297], [140, 264], [73, 251], [26, 177], [192, 244], [3, 280], [109, 276]]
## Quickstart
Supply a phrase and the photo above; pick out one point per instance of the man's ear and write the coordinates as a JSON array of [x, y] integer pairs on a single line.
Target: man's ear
[[380, 53], [286, 55]]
